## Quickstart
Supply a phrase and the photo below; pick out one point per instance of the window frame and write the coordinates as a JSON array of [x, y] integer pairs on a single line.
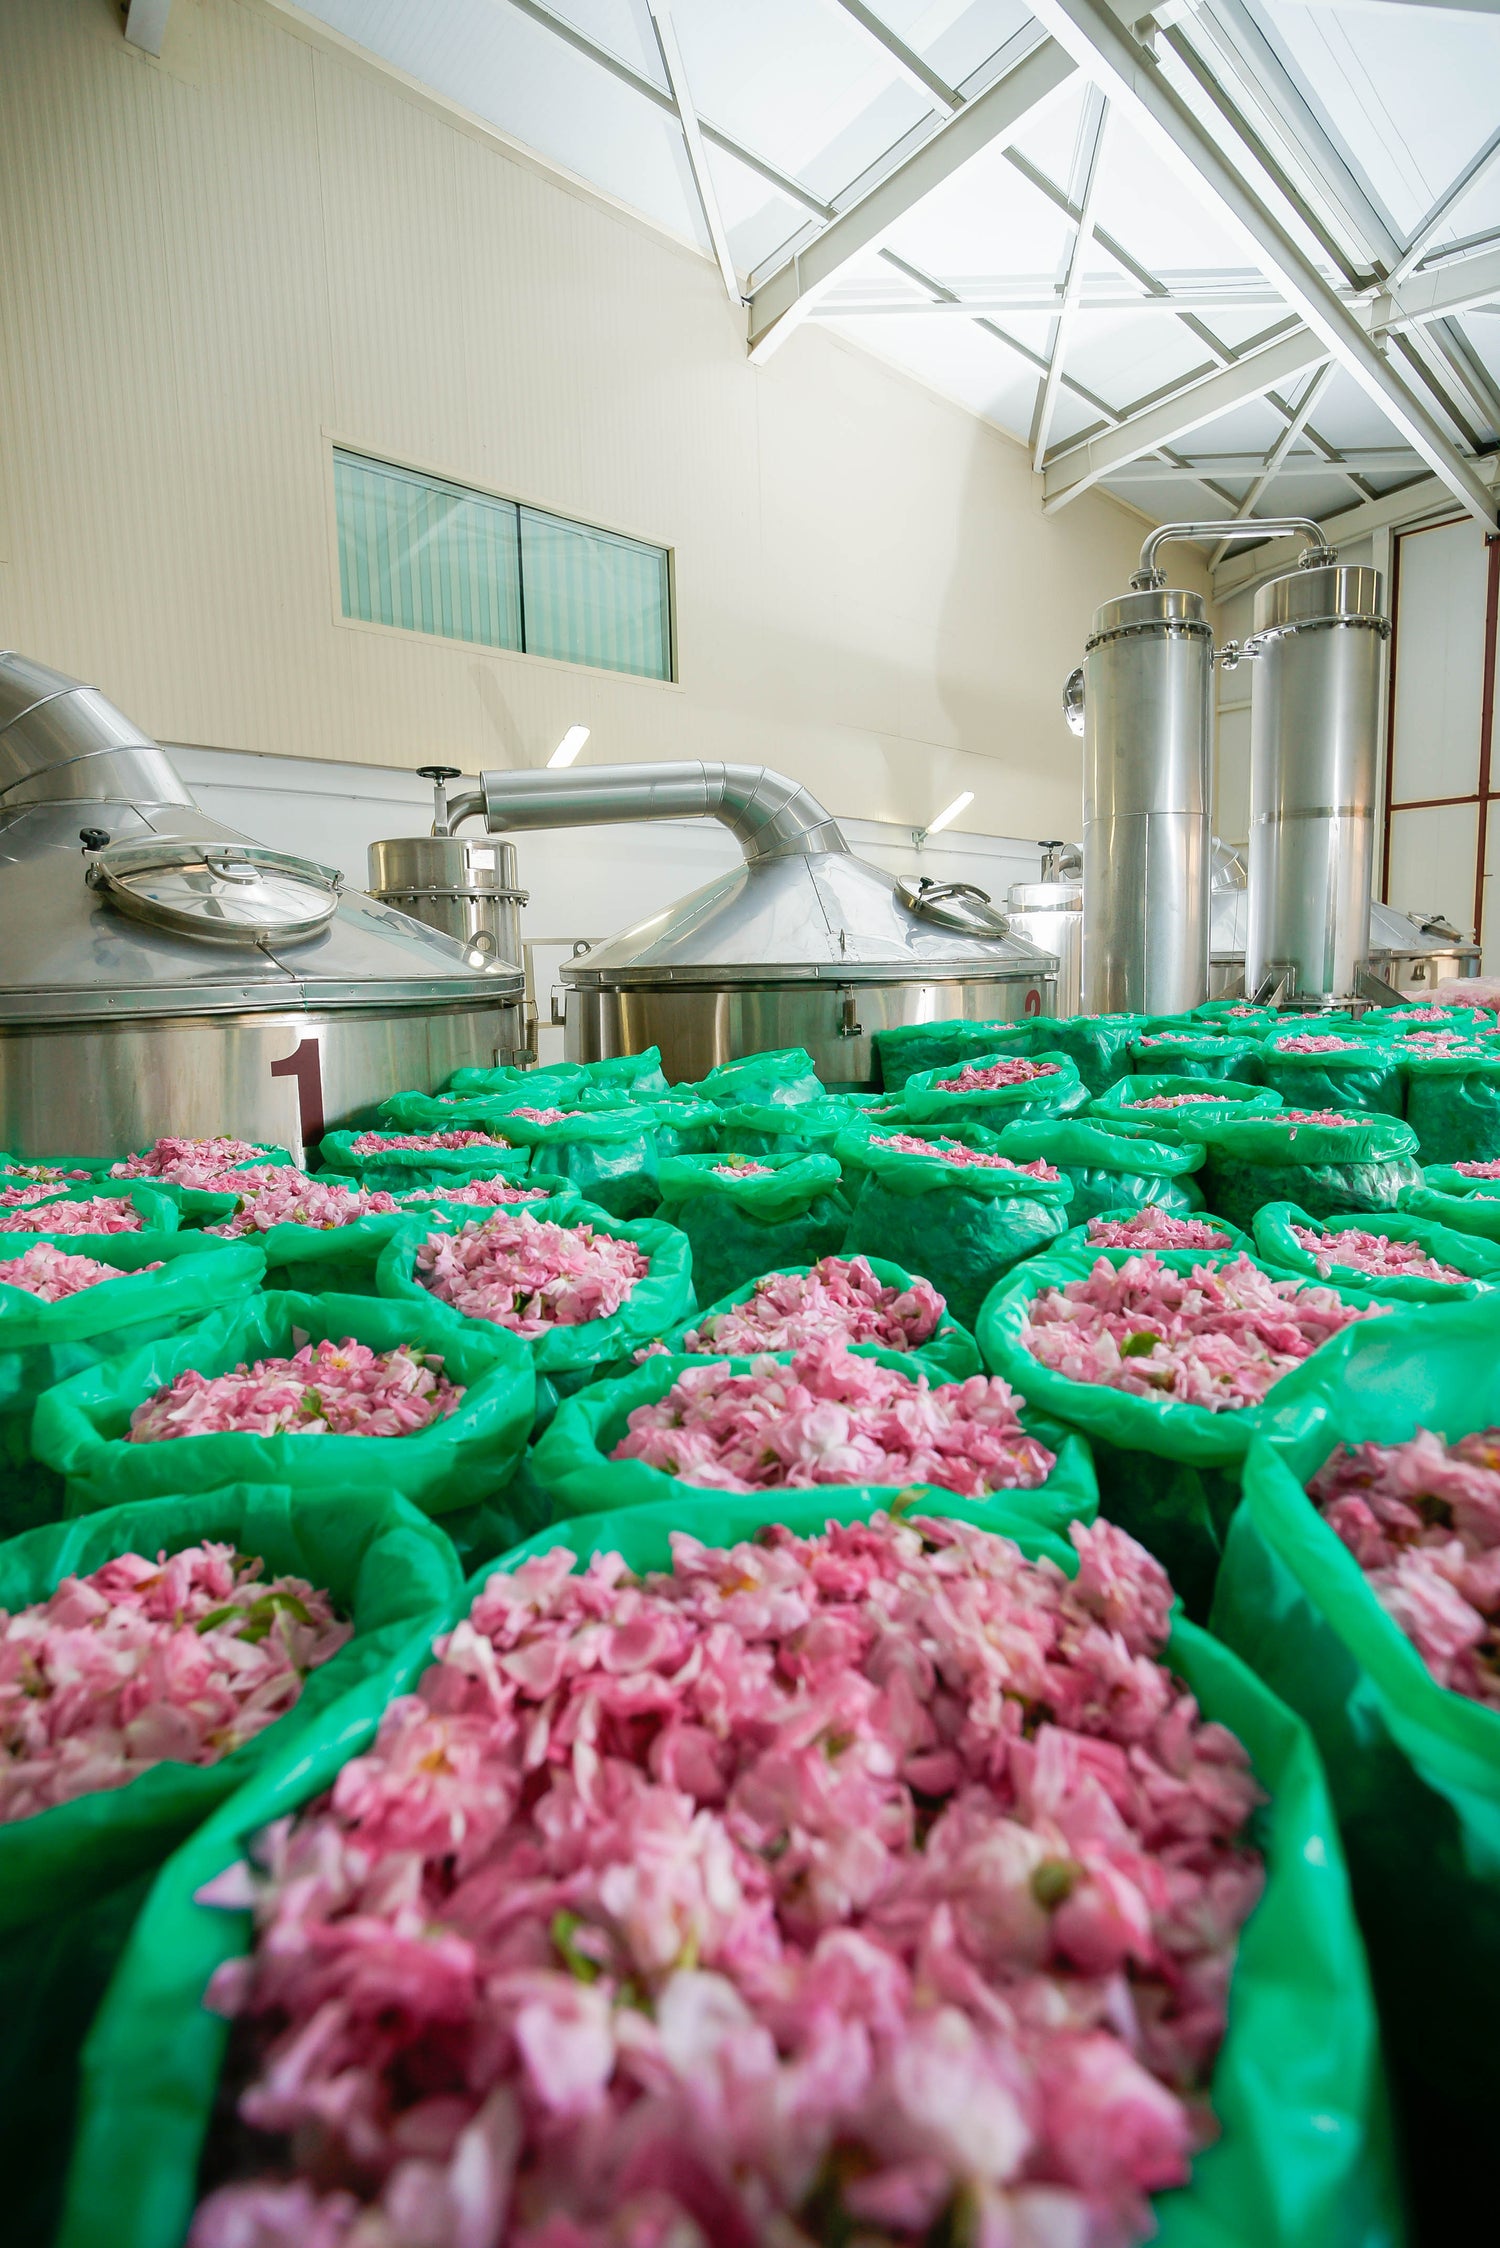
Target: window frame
[[336, 442]]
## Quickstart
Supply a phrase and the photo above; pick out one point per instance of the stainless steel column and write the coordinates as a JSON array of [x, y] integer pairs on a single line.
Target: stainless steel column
[[464, 885], [1314, 705], [1148, 720]]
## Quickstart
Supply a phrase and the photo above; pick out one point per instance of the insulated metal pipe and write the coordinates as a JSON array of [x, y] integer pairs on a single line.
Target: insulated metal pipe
[[769, 815], [1314, 707]]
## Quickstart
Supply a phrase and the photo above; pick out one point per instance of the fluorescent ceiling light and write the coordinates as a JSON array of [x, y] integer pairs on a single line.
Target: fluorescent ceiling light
[[568, 748], [950, 813]]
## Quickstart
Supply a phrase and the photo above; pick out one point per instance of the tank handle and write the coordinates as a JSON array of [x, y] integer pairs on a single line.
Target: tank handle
[[1317, 554]]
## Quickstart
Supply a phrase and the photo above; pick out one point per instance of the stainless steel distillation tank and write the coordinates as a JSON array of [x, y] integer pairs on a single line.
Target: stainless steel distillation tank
[[802, 945], [1143, 700], [162, 974], [1317, 648]]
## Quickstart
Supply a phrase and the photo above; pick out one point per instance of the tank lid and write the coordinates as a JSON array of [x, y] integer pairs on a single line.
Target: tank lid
[[221, 892], [824, 918], [1338, 593], [1161, 606]]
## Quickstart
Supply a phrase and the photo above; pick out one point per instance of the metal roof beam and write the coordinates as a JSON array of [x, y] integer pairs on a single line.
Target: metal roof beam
[[1442, 210], [1439, 291], [906, 59], [1081, 466], [661, 98], [781, 301], [1125, 71], [692, 141], [1094, 130], [1278, 453], [968, 306], [1384, 460]]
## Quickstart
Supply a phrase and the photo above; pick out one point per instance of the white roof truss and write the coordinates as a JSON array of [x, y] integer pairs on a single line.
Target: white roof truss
[[1332, 289]]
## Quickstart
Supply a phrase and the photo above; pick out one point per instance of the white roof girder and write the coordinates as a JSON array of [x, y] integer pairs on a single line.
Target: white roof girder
[[1125, 71], [779, 302]]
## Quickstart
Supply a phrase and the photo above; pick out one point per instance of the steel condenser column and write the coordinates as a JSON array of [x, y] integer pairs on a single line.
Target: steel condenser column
[[1314, 708], [1148, 720]]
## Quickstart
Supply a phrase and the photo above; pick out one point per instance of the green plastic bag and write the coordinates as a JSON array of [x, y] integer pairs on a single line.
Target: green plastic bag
[[1168, 1471], [1099, 1045], [930, 1100], [1479, 1261], [1364, 1080], [741, 1223], [1302, 2160], [609, 1155], [1400, 1022], [73, 1878], [811, 1128], [960, 1226], [909, 1050], [1194, 1050], [783, 1077], [42, 1344], [335, 1260], [402, 1170], [950, 1354], [556, 1083], [1414, 1767], [1123, 1106], [80, 1427], [683, 1126], [1453, 1102], [634, 1077], [1327, 1168], [564, 1357], [1470, 1212], [570, 1461], [1109, 1170]]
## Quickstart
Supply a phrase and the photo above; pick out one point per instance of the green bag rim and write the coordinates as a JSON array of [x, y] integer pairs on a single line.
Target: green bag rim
[[598, 1414], [1306, 1882], [67, 1438], [797, 1180], [950, 1336], [1168, 1428], [668, 1279], [1275, 1245], [1274, 1144], [28, 1324], [1098, 1148], [912, 1175], [169, 1794]]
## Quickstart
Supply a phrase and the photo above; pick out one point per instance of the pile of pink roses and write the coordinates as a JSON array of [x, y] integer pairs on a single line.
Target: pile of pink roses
[[51, 1273], [324, 1389], [839, 1298], [179, 1659], [1216, 1336], [874, 1886], [530, 1275], [1422, 1519], [832, 1417]]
